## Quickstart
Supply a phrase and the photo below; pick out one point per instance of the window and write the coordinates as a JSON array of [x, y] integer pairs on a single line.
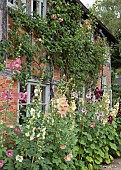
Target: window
[[26, 99], [104, 83], [39, 7], [14, 3]]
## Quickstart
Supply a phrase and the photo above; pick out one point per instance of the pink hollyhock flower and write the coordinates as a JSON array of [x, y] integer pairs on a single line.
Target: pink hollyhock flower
[[89, 95], [18, 71], [1, 163], [60, 19], [5, 95], [9, 153], [22, 107], [84, 111], [75, 95], [11, 96], [68, 157], [17, 130], [63, 146], [17, 64], [21, 96], [54, 16]]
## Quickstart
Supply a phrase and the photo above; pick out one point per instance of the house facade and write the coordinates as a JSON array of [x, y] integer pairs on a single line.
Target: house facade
[[48, 89]]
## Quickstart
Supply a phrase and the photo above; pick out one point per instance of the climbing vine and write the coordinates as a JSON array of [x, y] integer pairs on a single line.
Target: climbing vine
[[63, 38]]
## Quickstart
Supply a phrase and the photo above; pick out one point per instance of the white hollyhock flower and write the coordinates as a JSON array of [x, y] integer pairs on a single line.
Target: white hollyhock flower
[[19, 158], [32, 112]]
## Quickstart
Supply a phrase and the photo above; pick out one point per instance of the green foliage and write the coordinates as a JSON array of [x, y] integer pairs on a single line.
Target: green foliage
[[67, 43]]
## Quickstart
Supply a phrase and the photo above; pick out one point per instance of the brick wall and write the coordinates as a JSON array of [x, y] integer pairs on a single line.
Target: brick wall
[[5, 82]]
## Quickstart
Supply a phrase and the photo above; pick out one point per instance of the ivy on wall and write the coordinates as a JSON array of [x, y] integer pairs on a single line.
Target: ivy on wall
[[63, 37]]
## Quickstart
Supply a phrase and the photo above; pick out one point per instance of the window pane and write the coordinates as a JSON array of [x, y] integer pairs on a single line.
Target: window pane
[[22, 114], [11, 1], [32, 91]]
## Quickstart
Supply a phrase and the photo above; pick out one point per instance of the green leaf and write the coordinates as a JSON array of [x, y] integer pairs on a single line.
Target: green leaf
[[118, 153], [108, 161], [82, 142], [90, 166], [92, 146], [113, 146], [89, 159]]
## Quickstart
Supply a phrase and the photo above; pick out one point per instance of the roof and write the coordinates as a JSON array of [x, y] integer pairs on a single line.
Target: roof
[[100, 25]]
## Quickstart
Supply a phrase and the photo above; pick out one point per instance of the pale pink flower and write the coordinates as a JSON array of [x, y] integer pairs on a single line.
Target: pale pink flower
[[1, 163], [17, 64], [54, 16], [11, 96], [5, 95], [62, 106], [63, 146], [60, 19], [9, 153], [89, 95], [18, 71], [92, 125], [75, 95], [17, 130], [68, 157], [84, 111], [21, 96]]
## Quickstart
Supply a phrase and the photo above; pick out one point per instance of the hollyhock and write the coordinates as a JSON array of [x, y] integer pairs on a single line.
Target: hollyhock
[[17, 130], [17, 64], [60, 19], [21, 96], [63, 146], [68, 157], [9, 153], [1, 163], [110, 119], [54, 16], [75, 95], [89, 95], [5, 95], [11, 96], [62, 106], [84, 111], [19, 158]]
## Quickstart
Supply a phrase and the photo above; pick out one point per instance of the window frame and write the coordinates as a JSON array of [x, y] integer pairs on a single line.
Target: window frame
[[28, 90]]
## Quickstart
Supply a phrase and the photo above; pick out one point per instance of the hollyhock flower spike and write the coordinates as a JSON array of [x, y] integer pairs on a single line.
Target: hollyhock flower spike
[[1, 163], [9, 153]]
